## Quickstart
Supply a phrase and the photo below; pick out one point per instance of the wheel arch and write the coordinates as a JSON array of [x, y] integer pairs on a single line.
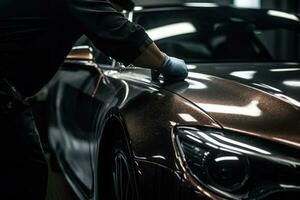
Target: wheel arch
[[114, 123], [114, 128]]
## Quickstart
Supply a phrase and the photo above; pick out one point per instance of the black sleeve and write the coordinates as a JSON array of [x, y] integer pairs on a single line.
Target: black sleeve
[[109, 30]]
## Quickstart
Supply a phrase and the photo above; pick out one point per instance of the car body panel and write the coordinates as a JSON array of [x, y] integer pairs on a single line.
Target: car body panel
[[69, 132], [247, 98], [143, 103], [258, 99], [78, 123], [262, 105]]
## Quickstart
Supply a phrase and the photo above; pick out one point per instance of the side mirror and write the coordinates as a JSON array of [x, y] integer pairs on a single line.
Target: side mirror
[[81, 53]]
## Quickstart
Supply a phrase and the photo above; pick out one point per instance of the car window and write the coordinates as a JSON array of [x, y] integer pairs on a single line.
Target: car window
[[210, 35], [280, 43]]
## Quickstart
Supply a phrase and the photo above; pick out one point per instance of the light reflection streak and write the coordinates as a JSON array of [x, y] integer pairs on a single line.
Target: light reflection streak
[[191, 66], [267, 87], [199, 4], [226, 158], [244, 74], [187, 117], [247, 4], [286, 141], [159, 156], [218, 144], [290, 186], [138, 8], [236, 150], [292, 83], [211, 145], [198, 76], [285, 70], [281, 14], [194, 139], [195, 84], [132, 76], [152, 88], [172, 123], [251, 109], [171, 30], [229, 151], [231, 145], [291, 63], [242, 144], [288, 99], [126, 92]]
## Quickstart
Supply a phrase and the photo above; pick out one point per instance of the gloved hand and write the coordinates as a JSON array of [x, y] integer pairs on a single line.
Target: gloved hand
[[173, 69]]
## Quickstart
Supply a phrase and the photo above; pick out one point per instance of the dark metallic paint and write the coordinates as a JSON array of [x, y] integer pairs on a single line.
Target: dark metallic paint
[[248, 105], [212, 96], [145, 106]]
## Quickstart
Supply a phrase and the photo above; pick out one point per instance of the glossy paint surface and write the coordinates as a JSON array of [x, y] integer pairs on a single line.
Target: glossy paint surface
[[150, 116], [72, 119], [255, 99], [258, 99], [78, 118], [150, 110]]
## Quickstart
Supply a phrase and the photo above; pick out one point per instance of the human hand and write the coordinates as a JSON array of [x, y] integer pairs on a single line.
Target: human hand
[[173, 69]]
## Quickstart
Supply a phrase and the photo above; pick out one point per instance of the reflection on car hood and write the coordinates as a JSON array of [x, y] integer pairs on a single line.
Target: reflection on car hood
[[258, 99]]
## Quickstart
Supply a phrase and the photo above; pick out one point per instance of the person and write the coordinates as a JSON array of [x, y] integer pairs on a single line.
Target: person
[[35, 37]]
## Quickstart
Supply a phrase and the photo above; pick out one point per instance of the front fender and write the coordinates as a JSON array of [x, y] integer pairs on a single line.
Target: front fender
[[149, 119]]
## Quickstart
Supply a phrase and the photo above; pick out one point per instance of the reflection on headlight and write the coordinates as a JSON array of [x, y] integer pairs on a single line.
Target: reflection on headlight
[[237, 166]]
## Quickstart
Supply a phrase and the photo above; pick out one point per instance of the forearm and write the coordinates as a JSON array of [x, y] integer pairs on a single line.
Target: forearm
[[173, 69], [152, 57], [109, 30]]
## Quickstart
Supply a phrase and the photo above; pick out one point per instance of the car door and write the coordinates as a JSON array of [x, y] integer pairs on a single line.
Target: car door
[[76, 83]]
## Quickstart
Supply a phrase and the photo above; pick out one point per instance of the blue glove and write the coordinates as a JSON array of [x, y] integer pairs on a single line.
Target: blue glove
[[173, 69]]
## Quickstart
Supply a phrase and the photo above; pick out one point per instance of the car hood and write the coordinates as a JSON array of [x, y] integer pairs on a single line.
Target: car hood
[[256, 99]]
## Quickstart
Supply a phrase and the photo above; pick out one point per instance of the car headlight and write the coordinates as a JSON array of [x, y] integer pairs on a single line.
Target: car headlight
[[235, 165]]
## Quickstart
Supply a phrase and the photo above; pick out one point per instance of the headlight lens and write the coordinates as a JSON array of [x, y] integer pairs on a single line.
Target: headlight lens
[[237, 166], [228, 172]]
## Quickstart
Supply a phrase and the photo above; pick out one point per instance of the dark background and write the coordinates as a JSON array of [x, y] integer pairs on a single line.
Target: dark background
[[285, 5], [290, 44]]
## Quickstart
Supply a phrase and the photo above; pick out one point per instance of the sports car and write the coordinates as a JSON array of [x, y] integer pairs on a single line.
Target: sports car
[[231, 130]]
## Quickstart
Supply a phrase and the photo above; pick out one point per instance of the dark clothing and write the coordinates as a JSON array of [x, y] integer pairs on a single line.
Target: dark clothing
[[36, 35], [23, 171]]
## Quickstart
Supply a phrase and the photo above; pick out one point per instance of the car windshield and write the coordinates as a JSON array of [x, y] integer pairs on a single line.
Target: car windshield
[[224, 34]]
